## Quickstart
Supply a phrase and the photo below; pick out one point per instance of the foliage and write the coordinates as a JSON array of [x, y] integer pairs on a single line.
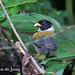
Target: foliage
[[23, 22]]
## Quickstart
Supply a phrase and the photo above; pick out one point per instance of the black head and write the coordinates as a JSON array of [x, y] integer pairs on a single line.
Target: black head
[[45, 24]]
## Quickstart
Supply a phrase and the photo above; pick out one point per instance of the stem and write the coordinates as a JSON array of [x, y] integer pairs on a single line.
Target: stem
[[25, 48], [68, 4], [13, 26]]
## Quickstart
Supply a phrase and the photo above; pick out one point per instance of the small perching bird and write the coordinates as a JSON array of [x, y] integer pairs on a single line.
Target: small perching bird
[[44, 39]]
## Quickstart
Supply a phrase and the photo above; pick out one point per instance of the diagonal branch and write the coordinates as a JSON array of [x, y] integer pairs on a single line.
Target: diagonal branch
[[13, 26], [25, 48]]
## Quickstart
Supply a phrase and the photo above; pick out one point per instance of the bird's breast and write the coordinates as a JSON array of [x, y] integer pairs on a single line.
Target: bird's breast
[[41, 34]]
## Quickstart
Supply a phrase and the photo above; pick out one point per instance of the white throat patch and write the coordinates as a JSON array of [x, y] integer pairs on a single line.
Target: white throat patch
[[51, 29]]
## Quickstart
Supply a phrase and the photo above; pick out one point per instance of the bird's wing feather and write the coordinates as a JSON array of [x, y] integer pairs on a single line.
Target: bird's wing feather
[[46, 42]]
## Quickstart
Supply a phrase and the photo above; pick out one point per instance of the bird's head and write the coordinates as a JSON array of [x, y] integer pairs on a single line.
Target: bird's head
[[44, 25]]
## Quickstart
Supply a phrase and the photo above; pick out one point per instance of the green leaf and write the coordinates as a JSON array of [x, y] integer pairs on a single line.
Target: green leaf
[[61, 56], [16, 3], [57, 26], [25, 22], [65, 50], [5, 1], [55, 67], [60, 72], [14, 10], [73, 73], [70, 34], [2, 18], [18, 74], [2, 14]]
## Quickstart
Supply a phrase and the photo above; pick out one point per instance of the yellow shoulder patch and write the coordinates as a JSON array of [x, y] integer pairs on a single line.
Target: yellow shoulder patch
[[43, 34]]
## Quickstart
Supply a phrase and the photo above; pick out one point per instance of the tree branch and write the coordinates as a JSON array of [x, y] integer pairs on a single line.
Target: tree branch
[[12, 26], [25, 48]]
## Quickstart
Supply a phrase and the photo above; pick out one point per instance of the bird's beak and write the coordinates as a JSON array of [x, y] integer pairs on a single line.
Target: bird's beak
[[37, 24]]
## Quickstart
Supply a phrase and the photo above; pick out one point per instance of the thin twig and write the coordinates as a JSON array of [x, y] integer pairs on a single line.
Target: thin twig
[[18, 44], [50, 73], [25, 48], [13, 26], [67, 28]]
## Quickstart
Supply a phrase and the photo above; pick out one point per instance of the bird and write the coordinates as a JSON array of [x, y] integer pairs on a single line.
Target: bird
[[44, 38]]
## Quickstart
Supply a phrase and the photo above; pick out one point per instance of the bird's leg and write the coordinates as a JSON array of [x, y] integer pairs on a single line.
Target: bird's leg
[[38, 62]]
